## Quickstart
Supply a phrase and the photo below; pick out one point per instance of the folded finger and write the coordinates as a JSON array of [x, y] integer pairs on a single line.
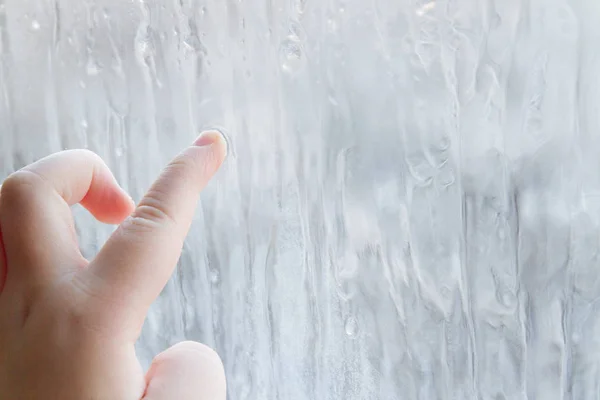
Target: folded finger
[[35, 216]]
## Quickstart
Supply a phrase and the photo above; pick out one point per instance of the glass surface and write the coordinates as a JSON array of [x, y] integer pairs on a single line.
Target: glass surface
[[411, 204]]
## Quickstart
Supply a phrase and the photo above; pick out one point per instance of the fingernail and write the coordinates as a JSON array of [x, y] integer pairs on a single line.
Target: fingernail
[[207, 138]]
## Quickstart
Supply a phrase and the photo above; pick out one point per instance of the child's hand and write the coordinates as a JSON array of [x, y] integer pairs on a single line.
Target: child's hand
[[68, 326]]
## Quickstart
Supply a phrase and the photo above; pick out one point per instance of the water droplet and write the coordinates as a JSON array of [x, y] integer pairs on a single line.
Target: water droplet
[[425, 9], [535, 124], [301, 6], [445, 292], [446, 176], [296, 32], [92, 68], [501, 233], [495, 21], [415, 60], [454, 41], [144, 46], [416, 77], [214, 276], [291, 56], [420, 169], [351, 327], [35, 25], [425, 52], [443, 142], [119, 152], [84, 123], [346, 289], [332, 24], [194, 44], [507, 299]]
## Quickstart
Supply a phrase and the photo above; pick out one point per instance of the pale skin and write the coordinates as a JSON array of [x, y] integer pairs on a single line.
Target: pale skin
[[68, 325]]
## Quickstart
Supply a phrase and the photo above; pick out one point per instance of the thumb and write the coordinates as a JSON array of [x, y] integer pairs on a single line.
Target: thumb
[[186, 371]]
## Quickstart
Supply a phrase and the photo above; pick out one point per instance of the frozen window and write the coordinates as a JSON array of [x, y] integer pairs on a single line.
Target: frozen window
[[411, 204]]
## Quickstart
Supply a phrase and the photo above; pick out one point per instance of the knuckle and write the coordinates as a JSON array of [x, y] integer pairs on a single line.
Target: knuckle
[[86, 156], [151, 213], [184, 160], [90, 156], [83, 153], [88, 153], [186, 171], [184, 166], [18, 183]]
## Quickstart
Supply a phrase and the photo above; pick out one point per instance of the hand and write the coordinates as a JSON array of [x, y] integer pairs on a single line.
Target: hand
[[68, 326]]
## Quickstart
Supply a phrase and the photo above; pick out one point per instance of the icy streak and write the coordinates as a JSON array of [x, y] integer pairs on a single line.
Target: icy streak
[[411, 205]]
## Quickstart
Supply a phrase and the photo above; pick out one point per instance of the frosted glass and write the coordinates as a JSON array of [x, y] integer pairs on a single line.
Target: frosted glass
[[411, 204]]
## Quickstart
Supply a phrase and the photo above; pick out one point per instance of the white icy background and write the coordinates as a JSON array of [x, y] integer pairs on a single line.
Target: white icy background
[[411, 205]]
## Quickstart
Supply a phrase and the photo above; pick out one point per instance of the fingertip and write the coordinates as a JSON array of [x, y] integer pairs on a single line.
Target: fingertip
[[185, 371], [208, 138], [124, 206], [111, 206], [216, 141], [130, 203]]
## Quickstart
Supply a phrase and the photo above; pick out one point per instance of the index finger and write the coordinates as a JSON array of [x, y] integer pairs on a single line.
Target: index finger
[[138, 259]]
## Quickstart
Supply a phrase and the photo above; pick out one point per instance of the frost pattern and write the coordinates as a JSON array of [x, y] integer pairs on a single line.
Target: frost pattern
[[411, 205]]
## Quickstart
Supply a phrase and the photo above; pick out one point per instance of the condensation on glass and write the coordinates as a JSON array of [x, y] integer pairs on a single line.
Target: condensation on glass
[[411, 204]]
